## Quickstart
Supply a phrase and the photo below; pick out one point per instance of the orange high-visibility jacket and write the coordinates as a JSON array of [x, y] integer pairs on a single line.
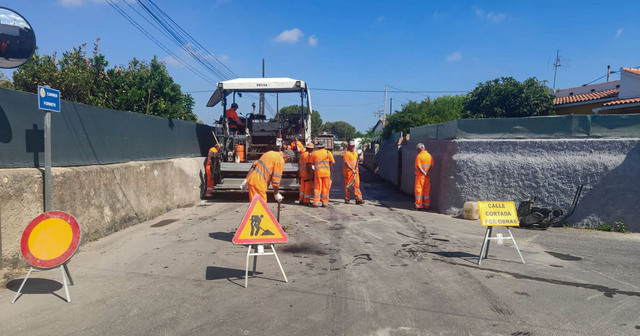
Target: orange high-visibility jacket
[[303, 164], [423, 160], [322, 160], [213, 152], [350, 161], [300, 147], [268, 169], [233, 115]]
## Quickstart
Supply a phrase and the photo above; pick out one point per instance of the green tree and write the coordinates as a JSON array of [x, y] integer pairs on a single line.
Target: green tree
[[5, 83], [316, 120], [413, 114], [141, 87], [342, 130], [39, 70], [147, 88], [505, 97]]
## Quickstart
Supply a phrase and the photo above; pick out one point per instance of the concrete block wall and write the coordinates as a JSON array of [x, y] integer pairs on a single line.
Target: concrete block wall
[[550, 170], [103, 198], [387, 162]]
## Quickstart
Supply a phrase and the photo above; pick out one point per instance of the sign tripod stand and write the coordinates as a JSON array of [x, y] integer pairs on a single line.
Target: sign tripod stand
[[260, 252], [63, 268], [484, 251], [259, 227], [49, 242], [497, 214]]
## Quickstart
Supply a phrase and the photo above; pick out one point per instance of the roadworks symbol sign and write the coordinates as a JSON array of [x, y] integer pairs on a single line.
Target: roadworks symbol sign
[[259, 226]]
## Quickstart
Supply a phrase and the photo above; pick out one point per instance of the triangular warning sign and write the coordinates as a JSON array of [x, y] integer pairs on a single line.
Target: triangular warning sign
[[259, 226]]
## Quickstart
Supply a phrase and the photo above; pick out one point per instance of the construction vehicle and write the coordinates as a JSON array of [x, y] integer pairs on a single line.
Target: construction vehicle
[[259, 134], [325, 139]]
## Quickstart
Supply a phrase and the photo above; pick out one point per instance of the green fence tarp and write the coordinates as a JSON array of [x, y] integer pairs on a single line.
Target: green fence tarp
[[551, 127], [88, 135]]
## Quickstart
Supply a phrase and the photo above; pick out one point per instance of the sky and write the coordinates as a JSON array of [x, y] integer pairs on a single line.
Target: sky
[[349, 51]]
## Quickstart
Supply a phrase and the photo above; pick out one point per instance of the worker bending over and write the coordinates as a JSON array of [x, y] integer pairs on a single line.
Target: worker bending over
[[322, 161], [424, 164], [306, 175], [267, 169], [351, 174], [210, 167]]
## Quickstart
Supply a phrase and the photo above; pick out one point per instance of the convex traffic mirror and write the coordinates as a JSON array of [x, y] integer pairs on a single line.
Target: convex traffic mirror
[[17, 39]]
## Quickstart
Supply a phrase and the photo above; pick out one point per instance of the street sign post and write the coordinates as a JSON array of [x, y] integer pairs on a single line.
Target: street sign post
[[48, 100]]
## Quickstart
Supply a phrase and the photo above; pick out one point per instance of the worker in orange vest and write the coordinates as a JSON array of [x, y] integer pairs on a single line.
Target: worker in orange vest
[[210, 167], [351, 174], [424, 164], [300, 148], [322, 160], [306, 177], [234, 122], [267, 169]]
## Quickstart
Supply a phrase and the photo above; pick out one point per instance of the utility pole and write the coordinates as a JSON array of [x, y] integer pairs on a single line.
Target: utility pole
[[261, 106], [608, 72], [385, 104], [390, 106], [556, 64], [378, 114]]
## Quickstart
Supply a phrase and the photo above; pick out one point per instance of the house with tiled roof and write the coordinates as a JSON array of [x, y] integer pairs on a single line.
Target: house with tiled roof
[[614, 97]]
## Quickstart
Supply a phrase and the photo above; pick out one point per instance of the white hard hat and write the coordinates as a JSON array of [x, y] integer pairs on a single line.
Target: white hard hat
[[352, 143]]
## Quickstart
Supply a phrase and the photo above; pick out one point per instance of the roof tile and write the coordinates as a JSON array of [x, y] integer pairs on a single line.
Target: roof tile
[[622, 101], [634, 71], [613, 93]]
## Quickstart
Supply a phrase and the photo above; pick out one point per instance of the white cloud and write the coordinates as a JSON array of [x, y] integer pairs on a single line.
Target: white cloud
[[619, 32], [454, 57], [490, 16], [313, 40], [170, 60], [290, 36], [379, 19]]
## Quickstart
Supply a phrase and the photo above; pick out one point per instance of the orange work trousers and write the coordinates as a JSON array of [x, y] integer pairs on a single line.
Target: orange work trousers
[[348, 177], [422, 190], [321, 187], [253, 190], [210, 182], [306, 190]]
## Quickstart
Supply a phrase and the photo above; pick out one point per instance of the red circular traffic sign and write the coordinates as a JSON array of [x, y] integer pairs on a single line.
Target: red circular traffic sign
[[50, 239]]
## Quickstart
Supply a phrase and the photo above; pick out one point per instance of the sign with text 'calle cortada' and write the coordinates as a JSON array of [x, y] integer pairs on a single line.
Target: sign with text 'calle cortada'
[[498, 214]]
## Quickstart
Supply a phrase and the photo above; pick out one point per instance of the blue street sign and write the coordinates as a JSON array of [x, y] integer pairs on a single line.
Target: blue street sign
[[48, 99]]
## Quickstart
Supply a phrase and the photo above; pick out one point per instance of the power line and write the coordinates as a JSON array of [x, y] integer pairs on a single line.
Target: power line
[[390, 91], [233, 75], [157, 18], [166, 23], [364, 91], [177, 35], [154, 40]]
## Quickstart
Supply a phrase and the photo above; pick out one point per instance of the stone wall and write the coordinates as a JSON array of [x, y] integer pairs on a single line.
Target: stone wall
[[103, 198], [515, 170]]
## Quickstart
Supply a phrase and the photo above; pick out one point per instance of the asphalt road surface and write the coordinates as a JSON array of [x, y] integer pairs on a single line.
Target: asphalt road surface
[[373, 269]]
